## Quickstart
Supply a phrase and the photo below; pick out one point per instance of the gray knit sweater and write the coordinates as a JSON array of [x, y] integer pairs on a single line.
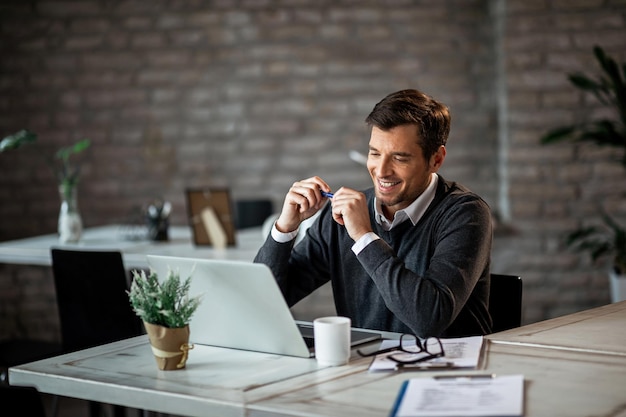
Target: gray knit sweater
[[431, 279]]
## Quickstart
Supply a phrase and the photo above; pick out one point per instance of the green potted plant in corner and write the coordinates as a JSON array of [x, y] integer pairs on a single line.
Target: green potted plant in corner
[[608, 239], [166, 309], [610, 89]]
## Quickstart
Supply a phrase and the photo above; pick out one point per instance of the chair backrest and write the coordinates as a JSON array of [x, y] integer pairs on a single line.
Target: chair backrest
[[251, 213], [505, 301], [23, 401], [93, 305]]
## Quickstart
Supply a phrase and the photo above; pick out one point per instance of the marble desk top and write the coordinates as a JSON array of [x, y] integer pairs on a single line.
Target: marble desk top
[[565, 375]]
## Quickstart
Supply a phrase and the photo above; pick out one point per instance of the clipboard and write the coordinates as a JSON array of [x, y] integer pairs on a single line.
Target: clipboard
[[471, 395]]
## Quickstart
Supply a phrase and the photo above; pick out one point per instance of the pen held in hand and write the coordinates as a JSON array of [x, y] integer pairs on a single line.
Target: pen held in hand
[[326, 194]]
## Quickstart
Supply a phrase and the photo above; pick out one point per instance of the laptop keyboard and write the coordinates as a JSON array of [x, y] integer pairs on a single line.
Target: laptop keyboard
[[356, 336], [310, 342], [307, 334]]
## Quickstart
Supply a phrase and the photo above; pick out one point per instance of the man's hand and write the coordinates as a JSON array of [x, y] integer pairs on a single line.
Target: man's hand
[[302, 202], [350, 210]]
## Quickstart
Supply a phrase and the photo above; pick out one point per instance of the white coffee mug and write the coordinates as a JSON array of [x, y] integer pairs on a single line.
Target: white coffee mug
[[332, 340]]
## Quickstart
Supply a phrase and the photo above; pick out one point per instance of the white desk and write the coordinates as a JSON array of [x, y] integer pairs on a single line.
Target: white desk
[[216, 381], [559, 381], [557, 384], [599, 330], [36, 250]]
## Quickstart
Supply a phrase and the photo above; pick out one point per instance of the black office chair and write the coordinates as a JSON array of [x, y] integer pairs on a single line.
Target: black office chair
[[251, 213], [92, 301], [21, 401], [505, 302], [20, 351]]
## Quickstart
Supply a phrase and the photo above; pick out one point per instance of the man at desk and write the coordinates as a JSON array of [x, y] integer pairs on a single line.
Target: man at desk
[[410, 254]]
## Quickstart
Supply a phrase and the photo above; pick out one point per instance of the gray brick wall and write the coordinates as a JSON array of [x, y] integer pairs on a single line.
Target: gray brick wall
[[554, 188], [254, 95]]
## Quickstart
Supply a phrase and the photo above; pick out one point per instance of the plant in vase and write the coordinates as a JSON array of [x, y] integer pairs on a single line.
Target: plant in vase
[[166, 309], [609, 88], [70, 222], [70, 225]]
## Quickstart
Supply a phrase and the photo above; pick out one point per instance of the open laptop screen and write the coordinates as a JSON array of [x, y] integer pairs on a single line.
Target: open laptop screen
[[242, 307]]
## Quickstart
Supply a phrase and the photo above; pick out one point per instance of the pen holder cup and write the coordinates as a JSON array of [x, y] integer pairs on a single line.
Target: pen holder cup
[[158, 229]]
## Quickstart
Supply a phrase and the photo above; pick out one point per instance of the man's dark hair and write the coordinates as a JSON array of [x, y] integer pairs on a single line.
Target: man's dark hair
[[414, 107]]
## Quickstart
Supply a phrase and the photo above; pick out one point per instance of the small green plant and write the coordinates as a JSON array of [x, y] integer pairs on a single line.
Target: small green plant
[[67, 174], [166, 304], [17, 140]]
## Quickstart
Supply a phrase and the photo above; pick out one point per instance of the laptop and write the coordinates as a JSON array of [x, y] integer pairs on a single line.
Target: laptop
[[242, 307]]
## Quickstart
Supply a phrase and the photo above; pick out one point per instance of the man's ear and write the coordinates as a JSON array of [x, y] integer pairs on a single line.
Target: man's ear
[[436, 161]]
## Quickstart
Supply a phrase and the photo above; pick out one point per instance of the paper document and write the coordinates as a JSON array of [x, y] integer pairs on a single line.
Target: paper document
[[470, 396], [461, 352]]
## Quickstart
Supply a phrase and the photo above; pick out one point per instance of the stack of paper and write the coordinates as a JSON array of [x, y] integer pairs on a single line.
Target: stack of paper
[[475, 395], [460, 353]]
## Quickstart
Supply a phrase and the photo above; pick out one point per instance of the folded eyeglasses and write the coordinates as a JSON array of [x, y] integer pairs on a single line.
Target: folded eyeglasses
[[411, 350]]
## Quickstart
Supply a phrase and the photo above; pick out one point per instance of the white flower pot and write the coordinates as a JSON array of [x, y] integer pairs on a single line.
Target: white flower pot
[[618, 286]]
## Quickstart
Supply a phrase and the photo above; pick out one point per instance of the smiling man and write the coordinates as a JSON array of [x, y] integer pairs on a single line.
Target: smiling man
[[410, 254]]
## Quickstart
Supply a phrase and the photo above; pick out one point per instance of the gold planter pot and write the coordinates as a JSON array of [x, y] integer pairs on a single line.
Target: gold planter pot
[[169, 346]]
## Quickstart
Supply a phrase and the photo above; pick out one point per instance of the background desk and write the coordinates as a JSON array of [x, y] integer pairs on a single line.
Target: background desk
[[224, 382], [36, 250]]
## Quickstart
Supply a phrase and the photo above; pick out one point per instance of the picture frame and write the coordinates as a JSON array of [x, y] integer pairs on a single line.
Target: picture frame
[[208, 209]]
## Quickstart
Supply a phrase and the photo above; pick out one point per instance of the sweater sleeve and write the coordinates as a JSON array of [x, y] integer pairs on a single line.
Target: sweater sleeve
[[298, 273], [428, 285]]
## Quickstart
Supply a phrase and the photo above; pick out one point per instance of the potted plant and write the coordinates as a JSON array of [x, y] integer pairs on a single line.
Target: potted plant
[[610, 89], [70, 225], [606, 240], [166, 310]]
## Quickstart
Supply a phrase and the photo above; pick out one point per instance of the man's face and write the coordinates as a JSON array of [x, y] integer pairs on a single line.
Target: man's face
[[397, 166]]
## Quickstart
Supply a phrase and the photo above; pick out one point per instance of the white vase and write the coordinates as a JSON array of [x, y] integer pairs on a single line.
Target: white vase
[[618, 286], [70, 225]]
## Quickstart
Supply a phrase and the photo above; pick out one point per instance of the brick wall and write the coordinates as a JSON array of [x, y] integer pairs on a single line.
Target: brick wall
[[553, 188], [254, 95]]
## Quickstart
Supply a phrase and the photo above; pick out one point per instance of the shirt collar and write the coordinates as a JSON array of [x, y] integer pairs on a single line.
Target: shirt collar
[[414, 211]]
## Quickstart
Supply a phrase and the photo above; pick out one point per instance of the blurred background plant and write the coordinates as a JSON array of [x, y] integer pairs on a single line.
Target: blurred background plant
[[67, 174], [17, 140], [609, 87]]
